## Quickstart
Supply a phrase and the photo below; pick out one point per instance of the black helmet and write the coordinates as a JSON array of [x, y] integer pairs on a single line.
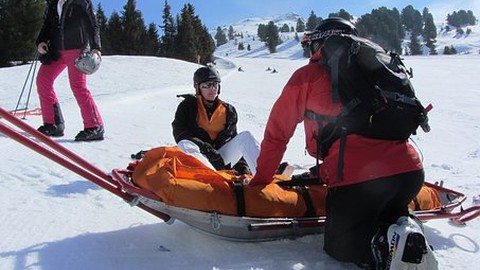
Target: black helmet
[[332, 26], [205, 74], [326, 28]]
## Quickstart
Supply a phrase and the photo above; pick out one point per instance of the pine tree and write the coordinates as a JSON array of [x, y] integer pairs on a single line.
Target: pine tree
[[273, 38], [415, 47], [133, 29], [102, 24], [412, 19], [429, 31], [342, 13], [206, 44], [262, 32], [20, 22], [300, 26], [114, 34], [285, 28], [185, 39], [446, 50], [231, 33], [167, 46], [461, 18], [384, 27], [220, 37], [312, 21], [151, 41]]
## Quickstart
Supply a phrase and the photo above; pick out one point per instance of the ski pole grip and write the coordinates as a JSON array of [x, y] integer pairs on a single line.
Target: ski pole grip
[[429, 107]]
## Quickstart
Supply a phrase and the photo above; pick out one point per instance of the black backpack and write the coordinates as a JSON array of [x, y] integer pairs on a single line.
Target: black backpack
[[374, 87]]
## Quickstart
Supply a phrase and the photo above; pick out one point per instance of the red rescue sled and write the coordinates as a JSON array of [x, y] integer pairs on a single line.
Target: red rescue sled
[[232, 227]]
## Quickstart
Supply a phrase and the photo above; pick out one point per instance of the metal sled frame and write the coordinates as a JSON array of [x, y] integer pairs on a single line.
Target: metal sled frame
[[224, 226]]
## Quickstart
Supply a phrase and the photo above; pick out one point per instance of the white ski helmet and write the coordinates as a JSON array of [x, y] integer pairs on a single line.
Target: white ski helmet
[[88, 62]]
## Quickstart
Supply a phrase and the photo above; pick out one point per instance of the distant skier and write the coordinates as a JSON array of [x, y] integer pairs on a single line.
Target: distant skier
[[240, 69], [274, 71]]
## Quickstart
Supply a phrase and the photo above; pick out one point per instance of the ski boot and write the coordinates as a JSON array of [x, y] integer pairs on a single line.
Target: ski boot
[[54, 130], [403, 248]]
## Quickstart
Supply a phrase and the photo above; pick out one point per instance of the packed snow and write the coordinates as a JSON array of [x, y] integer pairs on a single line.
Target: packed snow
[[52, 218]]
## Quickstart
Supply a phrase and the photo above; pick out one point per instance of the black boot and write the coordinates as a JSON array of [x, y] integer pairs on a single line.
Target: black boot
[[90, 134], [379, 247], [59, 122], [50, 130], [54, 130]]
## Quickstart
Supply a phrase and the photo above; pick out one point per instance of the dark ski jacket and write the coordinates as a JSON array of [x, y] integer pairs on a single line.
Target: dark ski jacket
[[185, 124], [75, 29]]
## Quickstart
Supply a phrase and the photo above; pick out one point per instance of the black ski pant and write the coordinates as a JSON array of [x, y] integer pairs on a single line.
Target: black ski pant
[[356, 212]]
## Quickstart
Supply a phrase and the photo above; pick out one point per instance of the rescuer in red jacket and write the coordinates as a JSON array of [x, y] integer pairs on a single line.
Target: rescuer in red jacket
[[380, 177]]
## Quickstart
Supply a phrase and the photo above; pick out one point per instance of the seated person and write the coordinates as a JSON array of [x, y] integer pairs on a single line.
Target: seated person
[[206, 127]]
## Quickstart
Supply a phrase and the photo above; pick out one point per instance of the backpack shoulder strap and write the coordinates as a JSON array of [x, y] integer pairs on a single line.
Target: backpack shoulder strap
[[337, 53]]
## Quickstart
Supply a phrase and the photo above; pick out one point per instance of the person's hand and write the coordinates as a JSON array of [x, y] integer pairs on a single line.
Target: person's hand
[[42, 48], [97, 52], [214, 157]]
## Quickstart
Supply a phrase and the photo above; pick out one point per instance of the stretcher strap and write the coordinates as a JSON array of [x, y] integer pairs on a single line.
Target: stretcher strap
[[238, 190], [308, 201]]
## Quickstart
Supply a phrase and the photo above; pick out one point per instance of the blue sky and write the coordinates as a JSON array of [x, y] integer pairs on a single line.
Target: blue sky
[[215, 13]]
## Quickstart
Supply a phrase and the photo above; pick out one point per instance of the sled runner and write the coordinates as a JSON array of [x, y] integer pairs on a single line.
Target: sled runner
[[237, 225]]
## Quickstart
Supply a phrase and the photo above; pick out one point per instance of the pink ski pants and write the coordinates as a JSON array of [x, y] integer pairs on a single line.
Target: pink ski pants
[[47, 74]]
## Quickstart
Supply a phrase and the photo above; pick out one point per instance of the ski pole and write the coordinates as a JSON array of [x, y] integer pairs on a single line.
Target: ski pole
[[34, 66], [31, 85]]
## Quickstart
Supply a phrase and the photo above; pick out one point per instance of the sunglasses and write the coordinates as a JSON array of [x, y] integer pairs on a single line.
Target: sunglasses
[[208, 85]]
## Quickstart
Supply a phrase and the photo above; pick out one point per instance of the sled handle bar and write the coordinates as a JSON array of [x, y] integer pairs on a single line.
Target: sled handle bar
[[61, 155], [468, 214], [288, 224], [460, 217]]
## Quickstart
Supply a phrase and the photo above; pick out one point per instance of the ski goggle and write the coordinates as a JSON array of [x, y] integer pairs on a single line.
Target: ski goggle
[[208, 85]]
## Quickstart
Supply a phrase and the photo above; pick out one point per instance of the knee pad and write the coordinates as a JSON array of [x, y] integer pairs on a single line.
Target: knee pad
[[402, 247]]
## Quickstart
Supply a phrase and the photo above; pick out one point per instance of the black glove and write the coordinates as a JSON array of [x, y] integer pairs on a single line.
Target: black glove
[[138, 155], [241, 167], [51, 56], [214, 157]]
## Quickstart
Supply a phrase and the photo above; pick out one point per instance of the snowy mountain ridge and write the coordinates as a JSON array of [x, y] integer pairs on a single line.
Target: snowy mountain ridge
[[246, 33]]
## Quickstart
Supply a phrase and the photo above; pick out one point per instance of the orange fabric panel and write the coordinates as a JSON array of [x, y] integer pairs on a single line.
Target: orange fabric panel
[[216, 123], [319, 198], [183, 181], [427, 199]]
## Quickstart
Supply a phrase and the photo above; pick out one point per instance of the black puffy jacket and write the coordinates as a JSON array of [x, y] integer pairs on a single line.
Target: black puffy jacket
[[185, 124], [74, 30]]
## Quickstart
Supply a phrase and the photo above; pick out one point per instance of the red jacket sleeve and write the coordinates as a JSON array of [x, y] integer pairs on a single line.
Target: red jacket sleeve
[[287, 112]]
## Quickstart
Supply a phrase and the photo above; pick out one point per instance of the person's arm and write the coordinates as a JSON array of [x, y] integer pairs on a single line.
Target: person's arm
[[44, 34], [182, 126], [93, 27], [284, 117]]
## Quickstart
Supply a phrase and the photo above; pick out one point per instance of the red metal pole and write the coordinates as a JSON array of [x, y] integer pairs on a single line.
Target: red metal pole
[[58, 159], [54, 145], [82, 167]]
